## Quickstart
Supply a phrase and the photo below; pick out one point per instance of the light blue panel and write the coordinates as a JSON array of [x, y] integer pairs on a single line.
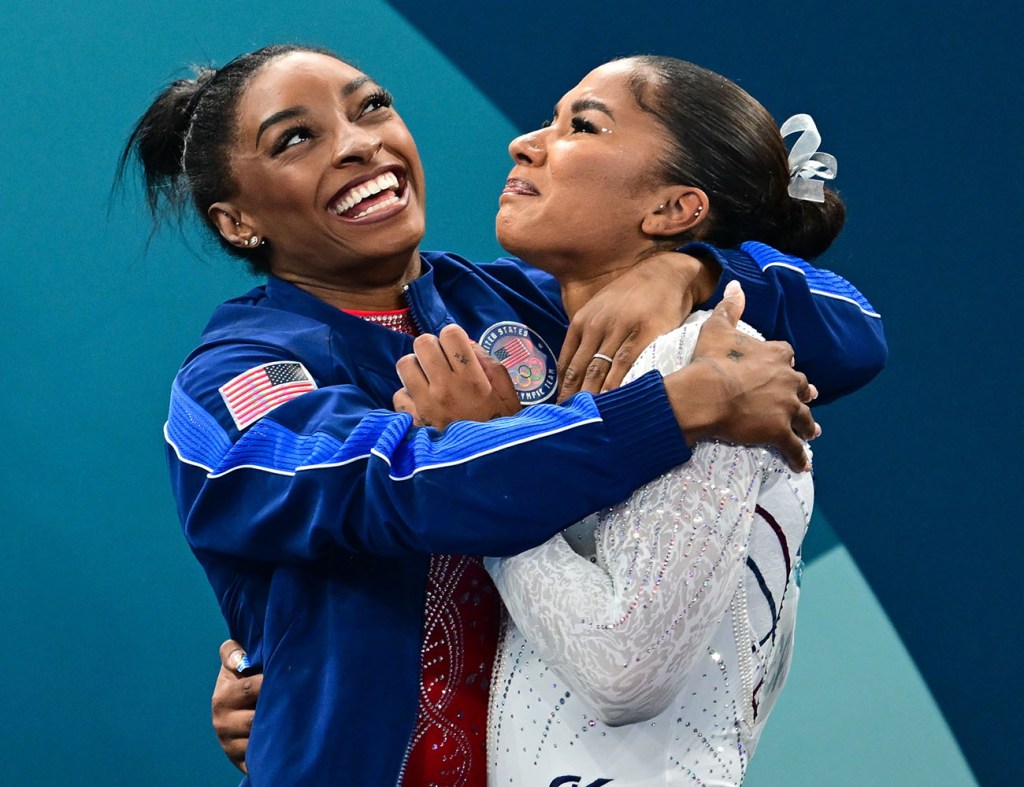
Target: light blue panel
[[855, 710], [109, 628]]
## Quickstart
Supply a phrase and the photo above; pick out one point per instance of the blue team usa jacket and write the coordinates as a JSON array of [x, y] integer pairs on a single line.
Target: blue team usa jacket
[[313, 507]]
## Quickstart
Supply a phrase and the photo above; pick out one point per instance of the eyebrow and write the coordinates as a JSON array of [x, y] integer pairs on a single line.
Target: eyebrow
[[277, 117], [355, 84], [287, 114], [583, 104]]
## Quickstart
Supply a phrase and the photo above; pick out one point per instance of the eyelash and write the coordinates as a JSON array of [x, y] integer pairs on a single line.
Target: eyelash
[[381, 99], [582, 126], [289, 134], [579, 126]]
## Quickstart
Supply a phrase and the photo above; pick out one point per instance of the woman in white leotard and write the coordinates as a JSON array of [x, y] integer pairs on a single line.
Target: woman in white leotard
[[648, 643]]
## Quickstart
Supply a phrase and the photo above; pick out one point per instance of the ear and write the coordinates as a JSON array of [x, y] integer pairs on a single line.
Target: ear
[[681, 209], [231, 224]]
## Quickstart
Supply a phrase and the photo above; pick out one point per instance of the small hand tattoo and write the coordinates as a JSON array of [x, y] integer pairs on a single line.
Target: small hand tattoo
[[734, 355], [461, 358]]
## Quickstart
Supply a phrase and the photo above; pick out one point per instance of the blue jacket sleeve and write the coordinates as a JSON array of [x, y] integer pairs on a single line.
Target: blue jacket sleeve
[[326, 473], [836, 334]]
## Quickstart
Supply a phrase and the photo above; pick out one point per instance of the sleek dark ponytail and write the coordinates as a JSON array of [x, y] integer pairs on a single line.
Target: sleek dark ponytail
[[183, 142], [725, 143]]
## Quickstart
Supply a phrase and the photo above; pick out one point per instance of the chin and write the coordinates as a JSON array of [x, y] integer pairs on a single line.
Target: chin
[[404, 237], [515, 249], [510, 239]]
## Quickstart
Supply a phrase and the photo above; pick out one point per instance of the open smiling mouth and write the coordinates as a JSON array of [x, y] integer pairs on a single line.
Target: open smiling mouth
[[370, 198]]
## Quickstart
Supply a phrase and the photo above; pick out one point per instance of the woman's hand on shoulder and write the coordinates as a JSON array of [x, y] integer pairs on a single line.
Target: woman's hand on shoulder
[[651, 298], [743, 390], [450, 378]]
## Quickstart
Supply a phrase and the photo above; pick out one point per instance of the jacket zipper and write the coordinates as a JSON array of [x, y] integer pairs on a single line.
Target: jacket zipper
[[413, 309]]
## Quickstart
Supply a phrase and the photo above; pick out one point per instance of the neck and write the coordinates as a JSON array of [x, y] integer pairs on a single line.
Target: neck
[[357, 293]]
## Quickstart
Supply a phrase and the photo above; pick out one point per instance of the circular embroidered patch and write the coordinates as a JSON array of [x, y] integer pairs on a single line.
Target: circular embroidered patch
[[529, 360]]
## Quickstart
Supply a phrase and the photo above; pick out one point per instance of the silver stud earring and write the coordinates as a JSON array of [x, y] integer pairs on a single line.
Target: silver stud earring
[[254, 240], [661, 207], [697, 212]]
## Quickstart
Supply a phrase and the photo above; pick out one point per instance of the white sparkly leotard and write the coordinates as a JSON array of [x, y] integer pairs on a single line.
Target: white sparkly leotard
[[648, 643]]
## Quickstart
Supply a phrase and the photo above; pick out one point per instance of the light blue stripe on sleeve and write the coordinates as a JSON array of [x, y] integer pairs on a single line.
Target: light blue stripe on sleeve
[[267, 446], [199, 440], [194, 434], [820, 282], [464, 441]]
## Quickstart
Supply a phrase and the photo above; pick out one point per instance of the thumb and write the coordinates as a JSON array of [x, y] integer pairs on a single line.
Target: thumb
[[486, 360], [491, 367], [232, 656], [498, 377], [734, 300]]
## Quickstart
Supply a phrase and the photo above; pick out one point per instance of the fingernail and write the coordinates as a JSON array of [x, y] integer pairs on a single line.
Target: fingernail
[[817, 430], [732, 288], [238, 661], [814, 392]]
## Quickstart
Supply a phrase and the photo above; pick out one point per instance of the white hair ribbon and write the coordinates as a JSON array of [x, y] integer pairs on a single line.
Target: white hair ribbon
[[805, 162]]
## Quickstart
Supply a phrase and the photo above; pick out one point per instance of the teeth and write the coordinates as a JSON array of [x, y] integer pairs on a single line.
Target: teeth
[[381, 183], [375, 208]]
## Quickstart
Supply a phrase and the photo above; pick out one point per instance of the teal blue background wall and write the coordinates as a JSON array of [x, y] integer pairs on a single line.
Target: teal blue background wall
[[907, 668]]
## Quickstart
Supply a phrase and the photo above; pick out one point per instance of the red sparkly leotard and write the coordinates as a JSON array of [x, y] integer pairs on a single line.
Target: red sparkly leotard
[[460, 635]]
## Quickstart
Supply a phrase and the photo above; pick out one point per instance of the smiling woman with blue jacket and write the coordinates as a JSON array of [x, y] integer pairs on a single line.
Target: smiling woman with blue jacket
[[315, 509]]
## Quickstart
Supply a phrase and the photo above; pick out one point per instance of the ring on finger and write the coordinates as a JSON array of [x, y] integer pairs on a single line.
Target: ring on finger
[[603, 357]]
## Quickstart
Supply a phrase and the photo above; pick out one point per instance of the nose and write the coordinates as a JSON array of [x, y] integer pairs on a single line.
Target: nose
[[356, 145], [527, 149]]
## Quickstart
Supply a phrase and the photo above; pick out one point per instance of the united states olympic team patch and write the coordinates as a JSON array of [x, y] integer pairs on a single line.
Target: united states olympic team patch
[[529, 360]]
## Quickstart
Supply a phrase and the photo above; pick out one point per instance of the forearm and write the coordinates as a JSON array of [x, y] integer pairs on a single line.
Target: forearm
[[389, 488], [626, 631]]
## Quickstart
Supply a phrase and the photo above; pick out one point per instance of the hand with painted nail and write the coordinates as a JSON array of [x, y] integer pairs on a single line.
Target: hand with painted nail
[[233, 704]]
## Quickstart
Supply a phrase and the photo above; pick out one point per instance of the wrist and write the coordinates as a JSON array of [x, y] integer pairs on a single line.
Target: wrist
[[697, 398]]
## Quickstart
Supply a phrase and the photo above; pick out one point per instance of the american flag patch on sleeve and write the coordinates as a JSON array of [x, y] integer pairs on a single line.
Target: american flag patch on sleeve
[[254, 393]]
